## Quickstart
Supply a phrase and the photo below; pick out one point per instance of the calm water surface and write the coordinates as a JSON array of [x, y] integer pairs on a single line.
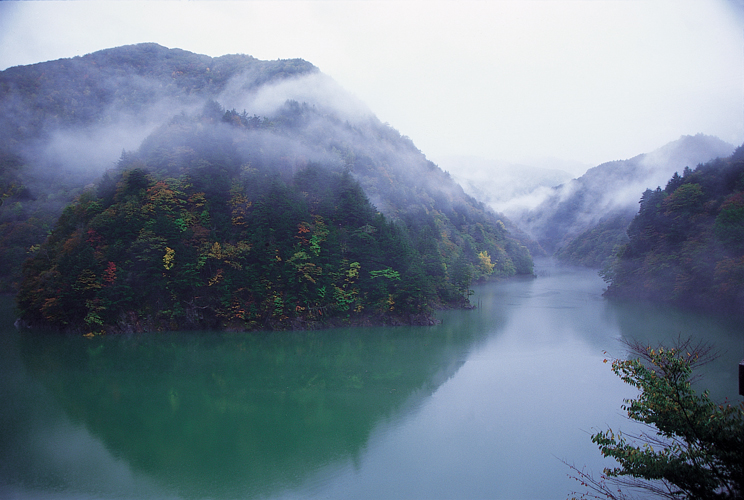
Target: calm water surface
[[485, 405]]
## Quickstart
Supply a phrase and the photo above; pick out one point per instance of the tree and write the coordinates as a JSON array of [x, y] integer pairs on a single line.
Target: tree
[[686, 244], [695, 447]]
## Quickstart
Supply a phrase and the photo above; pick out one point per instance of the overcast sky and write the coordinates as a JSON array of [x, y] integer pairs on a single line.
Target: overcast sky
[[588, 81]]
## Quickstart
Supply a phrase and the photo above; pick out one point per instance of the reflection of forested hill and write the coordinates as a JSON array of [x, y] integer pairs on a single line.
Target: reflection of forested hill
[[242, 415], [179, 234], [582, 221], [687, 242]]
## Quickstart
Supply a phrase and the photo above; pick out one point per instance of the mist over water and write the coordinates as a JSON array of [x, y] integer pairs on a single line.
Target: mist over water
[[476, 407], [484, 405]]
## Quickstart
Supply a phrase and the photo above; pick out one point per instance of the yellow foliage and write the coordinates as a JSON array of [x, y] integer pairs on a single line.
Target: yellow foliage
[[353, 273], [240, 206], [87, 281], [198, 200], [216, 279], [168, 258], [216, 251], [485, 264]]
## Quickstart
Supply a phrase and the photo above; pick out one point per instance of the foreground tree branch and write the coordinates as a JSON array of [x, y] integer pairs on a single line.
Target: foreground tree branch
[[694, 447]]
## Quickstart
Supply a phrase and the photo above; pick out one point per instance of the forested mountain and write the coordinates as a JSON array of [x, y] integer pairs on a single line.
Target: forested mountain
[[64, 122], [687, 242], [244, 207], [584, 220]]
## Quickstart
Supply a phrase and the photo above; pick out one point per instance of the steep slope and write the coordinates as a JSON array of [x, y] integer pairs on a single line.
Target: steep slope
[[219, 206], [687, 242], [606, 196], [131, 81], [64, 122], [67, 121]]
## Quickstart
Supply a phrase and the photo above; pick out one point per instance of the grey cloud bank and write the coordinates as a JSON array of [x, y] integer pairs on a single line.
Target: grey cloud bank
[[581, 81]]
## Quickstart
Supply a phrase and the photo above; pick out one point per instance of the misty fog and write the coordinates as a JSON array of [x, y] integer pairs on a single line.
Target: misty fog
[[541, 200], [243, 195]]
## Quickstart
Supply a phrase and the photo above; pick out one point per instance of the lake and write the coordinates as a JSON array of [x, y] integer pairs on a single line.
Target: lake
[[488, 404]]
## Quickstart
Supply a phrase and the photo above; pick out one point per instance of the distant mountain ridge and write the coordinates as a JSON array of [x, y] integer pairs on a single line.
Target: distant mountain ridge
[[607, 197]]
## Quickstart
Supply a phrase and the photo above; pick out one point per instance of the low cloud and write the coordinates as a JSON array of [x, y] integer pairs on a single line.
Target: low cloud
[[315, 89]]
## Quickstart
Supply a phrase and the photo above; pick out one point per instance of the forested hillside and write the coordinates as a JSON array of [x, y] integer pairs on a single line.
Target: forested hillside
[[310, 213], [63, 123], [583, 221], [687, 241]]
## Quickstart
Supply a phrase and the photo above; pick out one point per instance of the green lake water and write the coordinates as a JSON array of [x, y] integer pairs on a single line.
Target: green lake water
[[485, 405]]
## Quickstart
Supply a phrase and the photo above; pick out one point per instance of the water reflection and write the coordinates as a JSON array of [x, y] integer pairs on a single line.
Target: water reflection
[[652, 324], [43, 454], [482, 406], [524, 399], [234, 415]]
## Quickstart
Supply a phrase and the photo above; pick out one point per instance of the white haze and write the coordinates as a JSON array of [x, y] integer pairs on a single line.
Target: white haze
[[609, 189], [526, 202], [85, 153], [503, 185], [316, 89], [582, 81], [92, 150]]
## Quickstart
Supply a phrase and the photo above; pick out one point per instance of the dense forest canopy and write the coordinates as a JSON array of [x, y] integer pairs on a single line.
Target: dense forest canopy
[[63, 123], [304, 215], [686, 244]]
